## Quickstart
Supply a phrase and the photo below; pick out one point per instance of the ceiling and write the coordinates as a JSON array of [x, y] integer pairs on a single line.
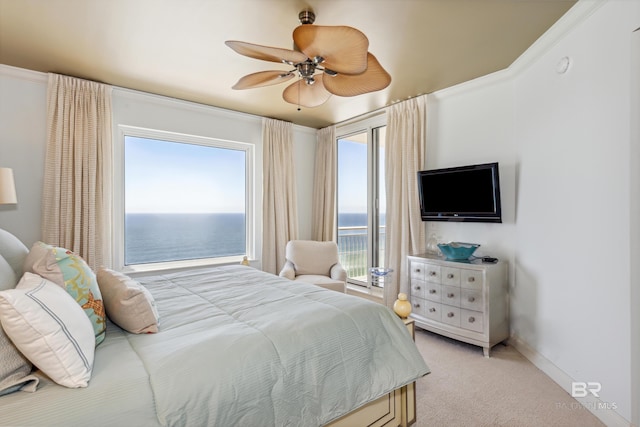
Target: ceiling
[[176, 47]]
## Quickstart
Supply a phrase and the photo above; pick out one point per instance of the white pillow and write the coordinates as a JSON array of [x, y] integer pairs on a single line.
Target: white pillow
[[129, 304], [50, 329]]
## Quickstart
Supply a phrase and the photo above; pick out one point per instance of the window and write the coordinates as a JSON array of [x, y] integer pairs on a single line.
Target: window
[[186, 200], [361, 201]]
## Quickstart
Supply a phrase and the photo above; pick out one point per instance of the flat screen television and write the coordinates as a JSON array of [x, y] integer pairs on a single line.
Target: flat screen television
[[464, 193]]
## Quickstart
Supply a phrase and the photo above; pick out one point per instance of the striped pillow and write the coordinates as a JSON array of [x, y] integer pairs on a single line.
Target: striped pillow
[[50, 329]]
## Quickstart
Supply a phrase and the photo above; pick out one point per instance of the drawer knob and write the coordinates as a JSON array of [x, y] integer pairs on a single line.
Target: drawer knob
[[417, 270], [449, 276], [432, 291], [432, 310], [472, 319], [450, 314], [418, 288], [451, 295], [416, 305], [432, 273], [472, 279], [471, 299]]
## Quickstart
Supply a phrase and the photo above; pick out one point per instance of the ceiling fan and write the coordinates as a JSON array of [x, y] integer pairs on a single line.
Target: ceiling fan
[[328, 60]]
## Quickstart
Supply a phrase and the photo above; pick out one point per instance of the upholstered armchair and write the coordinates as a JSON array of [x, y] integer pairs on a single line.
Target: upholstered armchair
[[314, 262]]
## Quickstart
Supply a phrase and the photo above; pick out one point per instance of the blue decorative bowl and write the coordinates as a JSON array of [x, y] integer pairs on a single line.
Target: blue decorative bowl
[[457, 251], [380, 271]]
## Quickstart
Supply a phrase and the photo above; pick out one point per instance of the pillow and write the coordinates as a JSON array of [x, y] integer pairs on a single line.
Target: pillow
[[50, 329], [129, 304], [66, 269], [14, 368]]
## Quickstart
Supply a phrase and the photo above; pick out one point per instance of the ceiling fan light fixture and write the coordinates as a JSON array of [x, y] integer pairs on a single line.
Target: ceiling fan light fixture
[[342, 51], [307, 17]]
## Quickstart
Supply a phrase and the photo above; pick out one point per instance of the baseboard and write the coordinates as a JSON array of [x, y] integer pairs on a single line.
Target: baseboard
[[597, 407]]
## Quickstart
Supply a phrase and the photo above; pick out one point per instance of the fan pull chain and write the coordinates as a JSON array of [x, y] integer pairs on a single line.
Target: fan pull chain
[[299, 80]]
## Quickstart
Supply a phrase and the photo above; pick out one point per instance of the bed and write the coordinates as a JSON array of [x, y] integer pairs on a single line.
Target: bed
[[237, 347]]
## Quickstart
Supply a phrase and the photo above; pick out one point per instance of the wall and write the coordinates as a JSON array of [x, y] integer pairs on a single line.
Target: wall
[[485, 135], [563, 143], [23, 124], [634, 165]]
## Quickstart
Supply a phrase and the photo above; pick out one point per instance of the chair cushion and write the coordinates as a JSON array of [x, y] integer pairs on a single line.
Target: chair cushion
[[322, 281], [312, 257]]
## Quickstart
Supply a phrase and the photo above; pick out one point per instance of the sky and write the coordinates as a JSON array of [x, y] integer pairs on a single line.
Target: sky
[[352, 175], [169, 177]]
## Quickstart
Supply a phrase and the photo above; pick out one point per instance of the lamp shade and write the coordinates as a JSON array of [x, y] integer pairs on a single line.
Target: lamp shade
[[7, 187]]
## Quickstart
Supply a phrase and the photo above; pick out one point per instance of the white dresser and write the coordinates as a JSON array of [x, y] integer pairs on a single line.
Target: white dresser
[[464, 300]]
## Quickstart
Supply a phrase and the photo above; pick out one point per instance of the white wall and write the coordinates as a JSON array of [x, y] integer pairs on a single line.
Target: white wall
[[23, 143], [634, 301], [563, 143], [23, 123], [485, 135]]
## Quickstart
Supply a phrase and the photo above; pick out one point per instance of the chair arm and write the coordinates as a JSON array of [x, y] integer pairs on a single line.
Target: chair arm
[[338, 272], [288, 271]]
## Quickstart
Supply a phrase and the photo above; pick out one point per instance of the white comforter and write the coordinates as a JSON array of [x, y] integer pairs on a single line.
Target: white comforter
[[239, 347]]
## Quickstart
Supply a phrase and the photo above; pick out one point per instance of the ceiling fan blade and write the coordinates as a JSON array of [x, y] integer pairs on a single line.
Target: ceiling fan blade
[[263, 78], [344, 49], [375, 78], [300, 93], [266, 53]]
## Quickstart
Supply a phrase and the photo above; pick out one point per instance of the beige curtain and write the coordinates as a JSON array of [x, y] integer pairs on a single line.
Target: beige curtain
[[404, 156], [324, 186], [77, 176], [279, 206]]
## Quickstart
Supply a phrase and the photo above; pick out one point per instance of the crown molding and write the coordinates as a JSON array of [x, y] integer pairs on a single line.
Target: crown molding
[[23, 74], [575, 16]]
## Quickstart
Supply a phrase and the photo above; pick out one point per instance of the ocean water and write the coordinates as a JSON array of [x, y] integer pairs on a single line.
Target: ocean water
[[169, 237]]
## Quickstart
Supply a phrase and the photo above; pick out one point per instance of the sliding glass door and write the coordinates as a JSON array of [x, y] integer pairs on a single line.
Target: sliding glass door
[[361, 202]]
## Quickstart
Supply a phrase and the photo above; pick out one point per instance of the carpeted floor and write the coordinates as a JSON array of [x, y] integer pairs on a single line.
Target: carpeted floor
[[466, 389]]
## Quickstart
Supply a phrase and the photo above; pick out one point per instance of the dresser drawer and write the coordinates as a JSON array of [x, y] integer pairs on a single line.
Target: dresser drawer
[[433, 310], [471, 299], [451, 315], [433, 292], [471, 279], [418, 306], [472, 320], [451, 295], [418, 288], [417, 270], [432, 273], [450, 276]]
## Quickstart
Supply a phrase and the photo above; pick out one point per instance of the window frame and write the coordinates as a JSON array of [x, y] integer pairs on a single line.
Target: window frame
[[118, 202], [368, 125]]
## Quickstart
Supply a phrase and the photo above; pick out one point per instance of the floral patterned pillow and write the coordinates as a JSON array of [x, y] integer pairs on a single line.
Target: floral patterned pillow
[[71, 272]]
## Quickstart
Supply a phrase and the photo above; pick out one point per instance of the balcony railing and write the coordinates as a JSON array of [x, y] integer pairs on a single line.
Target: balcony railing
[[352, 250]]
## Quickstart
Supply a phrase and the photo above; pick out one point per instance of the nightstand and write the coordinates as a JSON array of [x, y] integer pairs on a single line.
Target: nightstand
[[411, 326], [409, 391]]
